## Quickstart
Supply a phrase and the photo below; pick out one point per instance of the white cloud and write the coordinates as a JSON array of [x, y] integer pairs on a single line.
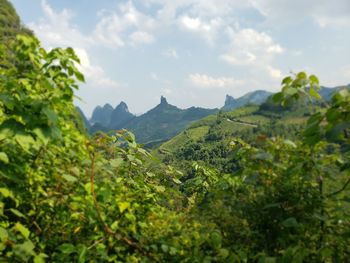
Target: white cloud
[[55, 28], [141, 37], [126, 22], [274, 73], [254, 49], [208, 29], [205, 81], [95, 75], [170, 53], [154, 76], [323, 12]]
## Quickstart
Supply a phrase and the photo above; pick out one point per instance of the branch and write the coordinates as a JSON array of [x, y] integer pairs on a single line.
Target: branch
[[340, 190]]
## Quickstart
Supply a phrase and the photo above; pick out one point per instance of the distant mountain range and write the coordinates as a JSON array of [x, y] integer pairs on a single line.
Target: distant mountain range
[[165, 120], [255, 97]]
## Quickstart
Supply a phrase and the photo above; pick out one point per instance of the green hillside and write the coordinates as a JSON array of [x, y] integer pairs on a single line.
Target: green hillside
[[10, 23], [208, 140]]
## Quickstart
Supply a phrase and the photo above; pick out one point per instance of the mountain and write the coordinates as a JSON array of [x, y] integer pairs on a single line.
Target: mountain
[[120, 116], [164, 121], [327, 93], [83, 118], [255, 97], [102, 115], [10, 23]]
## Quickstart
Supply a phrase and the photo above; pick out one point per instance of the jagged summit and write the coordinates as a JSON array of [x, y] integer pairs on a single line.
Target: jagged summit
[[163, 100], [255, 97], [122, 106], [229, 99]]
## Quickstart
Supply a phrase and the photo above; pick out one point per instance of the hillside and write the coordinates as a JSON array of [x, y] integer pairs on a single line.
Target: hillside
[[151, 128], [208, 140], [10, 24]]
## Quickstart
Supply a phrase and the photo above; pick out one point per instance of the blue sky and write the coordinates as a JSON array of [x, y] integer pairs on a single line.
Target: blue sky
[[193, 52]]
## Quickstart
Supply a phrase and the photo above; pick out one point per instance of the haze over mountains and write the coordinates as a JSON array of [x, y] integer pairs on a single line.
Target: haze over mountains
[[165, 120]]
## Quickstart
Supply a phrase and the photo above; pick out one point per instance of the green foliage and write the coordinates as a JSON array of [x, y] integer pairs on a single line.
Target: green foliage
[[271, 194]]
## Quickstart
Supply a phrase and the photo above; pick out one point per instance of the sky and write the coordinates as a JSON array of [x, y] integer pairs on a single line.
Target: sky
[[193, 52]]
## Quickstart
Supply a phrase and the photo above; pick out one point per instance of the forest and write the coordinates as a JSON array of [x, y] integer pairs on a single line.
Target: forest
[[273, 189]]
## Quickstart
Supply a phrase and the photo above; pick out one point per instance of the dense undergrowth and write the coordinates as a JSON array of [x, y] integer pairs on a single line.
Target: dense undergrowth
[[66, 197]]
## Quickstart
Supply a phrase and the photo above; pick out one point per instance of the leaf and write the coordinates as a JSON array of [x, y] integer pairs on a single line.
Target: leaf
[[22, 229], [3, 234], [277, 98], [301, 75], [159, 188], [290, 222], [313, 93], [25, 249], [75, 171], [116, 162], [79, 76], [69, 178], [42, 134], [51, 115], [82, 254], [314, 79], [17, 213], [287, 80], [67, 248], [24, 140], [40, 258], [216, 239], [290, 143], [4, 158], [177, 181], [123, 206], [165, 248]]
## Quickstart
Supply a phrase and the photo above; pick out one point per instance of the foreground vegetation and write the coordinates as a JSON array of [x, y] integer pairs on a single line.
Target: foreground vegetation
[[254, 191]]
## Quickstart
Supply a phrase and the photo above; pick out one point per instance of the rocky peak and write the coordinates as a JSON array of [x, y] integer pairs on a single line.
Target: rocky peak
[[122, 107], [163, 100]]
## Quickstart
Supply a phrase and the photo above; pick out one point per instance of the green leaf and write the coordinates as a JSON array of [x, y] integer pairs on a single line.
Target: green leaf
[[123, 206], [17, 213], [177, 181], [313, 93], [290, 222], [22, 229], [24, 140], [67, 248], [42, 134], [4, 158], [82, 254], [51, 115], [314, 79], [301, 75], [277, 98], [216, 239], [290, 143], [69, 178], [287, 80], [3, 234], [40, 258], [79, 76], [116, 162], [159, 188], [165, 248], [24, 250]]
